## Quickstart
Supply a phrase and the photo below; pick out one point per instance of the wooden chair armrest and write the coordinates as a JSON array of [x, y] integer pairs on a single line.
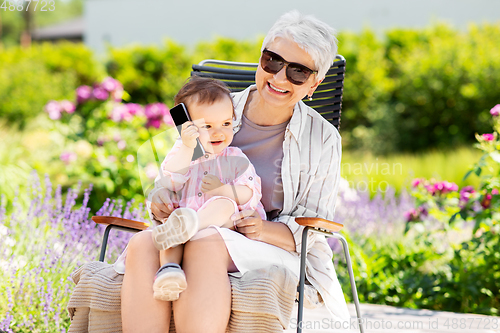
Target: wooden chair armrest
[[317, 222], [118, 221]]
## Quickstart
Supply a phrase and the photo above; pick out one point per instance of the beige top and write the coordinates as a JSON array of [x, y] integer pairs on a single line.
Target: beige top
[[263, 145]]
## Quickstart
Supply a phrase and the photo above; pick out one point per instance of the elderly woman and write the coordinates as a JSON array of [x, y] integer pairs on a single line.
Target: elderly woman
[[297, 155]]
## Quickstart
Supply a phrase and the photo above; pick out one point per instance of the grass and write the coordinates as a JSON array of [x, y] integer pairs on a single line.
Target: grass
[[367, 172]]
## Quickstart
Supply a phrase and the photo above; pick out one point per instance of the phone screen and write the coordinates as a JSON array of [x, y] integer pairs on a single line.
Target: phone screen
[[180, 115]]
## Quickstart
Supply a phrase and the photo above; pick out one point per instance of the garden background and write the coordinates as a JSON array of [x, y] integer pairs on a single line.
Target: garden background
[[422, 235]]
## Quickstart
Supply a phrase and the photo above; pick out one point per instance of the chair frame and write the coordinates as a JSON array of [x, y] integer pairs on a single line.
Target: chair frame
[[328, 103]]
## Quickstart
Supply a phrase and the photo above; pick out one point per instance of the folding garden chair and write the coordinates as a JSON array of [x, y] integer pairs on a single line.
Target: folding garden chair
[[327, 100]]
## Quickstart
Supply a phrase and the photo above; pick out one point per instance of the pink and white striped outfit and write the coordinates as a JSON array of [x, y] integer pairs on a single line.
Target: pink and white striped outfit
[[231, 166]]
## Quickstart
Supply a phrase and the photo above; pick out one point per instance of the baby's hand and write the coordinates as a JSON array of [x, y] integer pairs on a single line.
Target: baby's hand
[[209, 183], [189, 133]]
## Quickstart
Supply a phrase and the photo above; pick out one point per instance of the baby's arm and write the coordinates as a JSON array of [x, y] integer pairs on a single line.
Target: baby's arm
[[180, 161], [241, 194]]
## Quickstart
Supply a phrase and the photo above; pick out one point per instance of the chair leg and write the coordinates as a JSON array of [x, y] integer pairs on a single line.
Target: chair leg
[[302, 279], [351, 277]]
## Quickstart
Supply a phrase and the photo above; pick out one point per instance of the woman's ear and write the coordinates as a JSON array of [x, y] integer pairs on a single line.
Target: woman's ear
[[313, 88]]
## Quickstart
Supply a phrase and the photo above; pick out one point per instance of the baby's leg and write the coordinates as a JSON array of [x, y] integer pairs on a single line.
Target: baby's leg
[[170, 279], [217, 212], [172, 255]]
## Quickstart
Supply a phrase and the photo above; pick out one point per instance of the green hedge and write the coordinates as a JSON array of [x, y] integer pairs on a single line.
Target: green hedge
[[29, 78], [408, 91]]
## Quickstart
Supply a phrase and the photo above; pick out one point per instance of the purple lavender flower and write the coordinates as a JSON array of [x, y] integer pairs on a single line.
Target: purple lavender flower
[[54, 109], [100, 94], [495, 111], [83, 93]]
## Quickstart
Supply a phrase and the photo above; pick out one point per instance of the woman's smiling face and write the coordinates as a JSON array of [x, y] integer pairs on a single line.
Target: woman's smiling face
[[275, 89]]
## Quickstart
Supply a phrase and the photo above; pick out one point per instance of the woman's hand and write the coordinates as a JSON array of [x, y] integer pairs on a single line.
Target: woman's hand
[[161, 204], [210, 183], [189, 134], [248, 223]]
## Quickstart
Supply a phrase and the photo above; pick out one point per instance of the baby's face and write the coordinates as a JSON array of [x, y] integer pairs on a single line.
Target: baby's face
[[215, 124]]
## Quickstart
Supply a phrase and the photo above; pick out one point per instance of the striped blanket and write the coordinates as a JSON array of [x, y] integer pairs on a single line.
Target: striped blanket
[[94, 305]]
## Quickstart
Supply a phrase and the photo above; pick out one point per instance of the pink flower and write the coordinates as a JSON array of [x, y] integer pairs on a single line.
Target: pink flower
[[486, 202], [109, 84], [100, 94], [155, 110], [121, 144], [431, 189], [414, 215], [466, 193], [135, 109], [67, 157], [54, 109], [488, 137], [67, 106], [101, 141], [157, 113], [167, 119], [495, 191], [120, 113], [83, 93], [117, 95], [126, 112], [416, 182], [153, 123], [495, 111], [450, 187]]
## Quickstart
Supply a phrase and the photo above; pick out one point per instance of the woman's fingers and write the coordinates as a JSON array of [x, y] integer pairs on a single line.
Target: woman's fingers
[[249, 223], [243, 214]]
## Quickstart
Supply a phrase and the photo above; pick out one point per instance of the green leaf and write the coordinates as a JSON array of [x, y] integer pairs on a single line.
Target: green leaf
[[467, 174], [453, 218], [478, 171]]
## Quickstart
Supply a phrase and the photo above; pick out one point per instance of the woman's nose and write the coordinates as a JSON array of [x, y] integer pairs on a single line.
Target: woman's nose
[[281, 75]]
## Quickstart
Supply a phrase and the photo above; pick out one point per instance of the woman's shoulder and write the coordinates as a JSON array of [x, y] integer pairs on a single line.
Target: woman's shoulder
[[318, 123]]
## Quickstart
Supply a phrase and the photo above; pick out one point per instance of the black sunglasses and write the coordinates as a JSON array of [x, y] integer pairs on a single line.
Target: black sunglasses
[[295, 73]]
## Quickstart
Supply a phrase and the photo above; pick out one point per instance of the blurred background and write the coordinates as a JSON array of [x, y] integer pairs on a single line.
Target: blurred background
[[421, 75], [85, 83]]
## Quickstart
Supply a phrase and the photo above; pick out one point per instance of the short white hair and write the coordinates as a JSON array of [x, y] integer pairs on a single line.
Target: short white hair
[[312, 35]]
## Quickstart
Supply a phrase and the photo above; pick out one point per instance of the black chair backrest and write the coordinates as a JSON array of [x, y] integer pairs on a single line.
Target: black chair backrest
[[327, 99]]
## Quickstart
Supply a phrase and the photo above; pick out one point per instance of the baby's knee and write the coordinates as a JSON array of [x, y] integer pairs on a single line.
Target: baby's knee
[[225, 204]]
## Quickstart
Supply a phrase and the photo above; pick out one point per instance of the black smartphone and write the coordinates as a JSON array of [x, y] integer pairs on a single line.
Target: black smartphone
[[180, 115]]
